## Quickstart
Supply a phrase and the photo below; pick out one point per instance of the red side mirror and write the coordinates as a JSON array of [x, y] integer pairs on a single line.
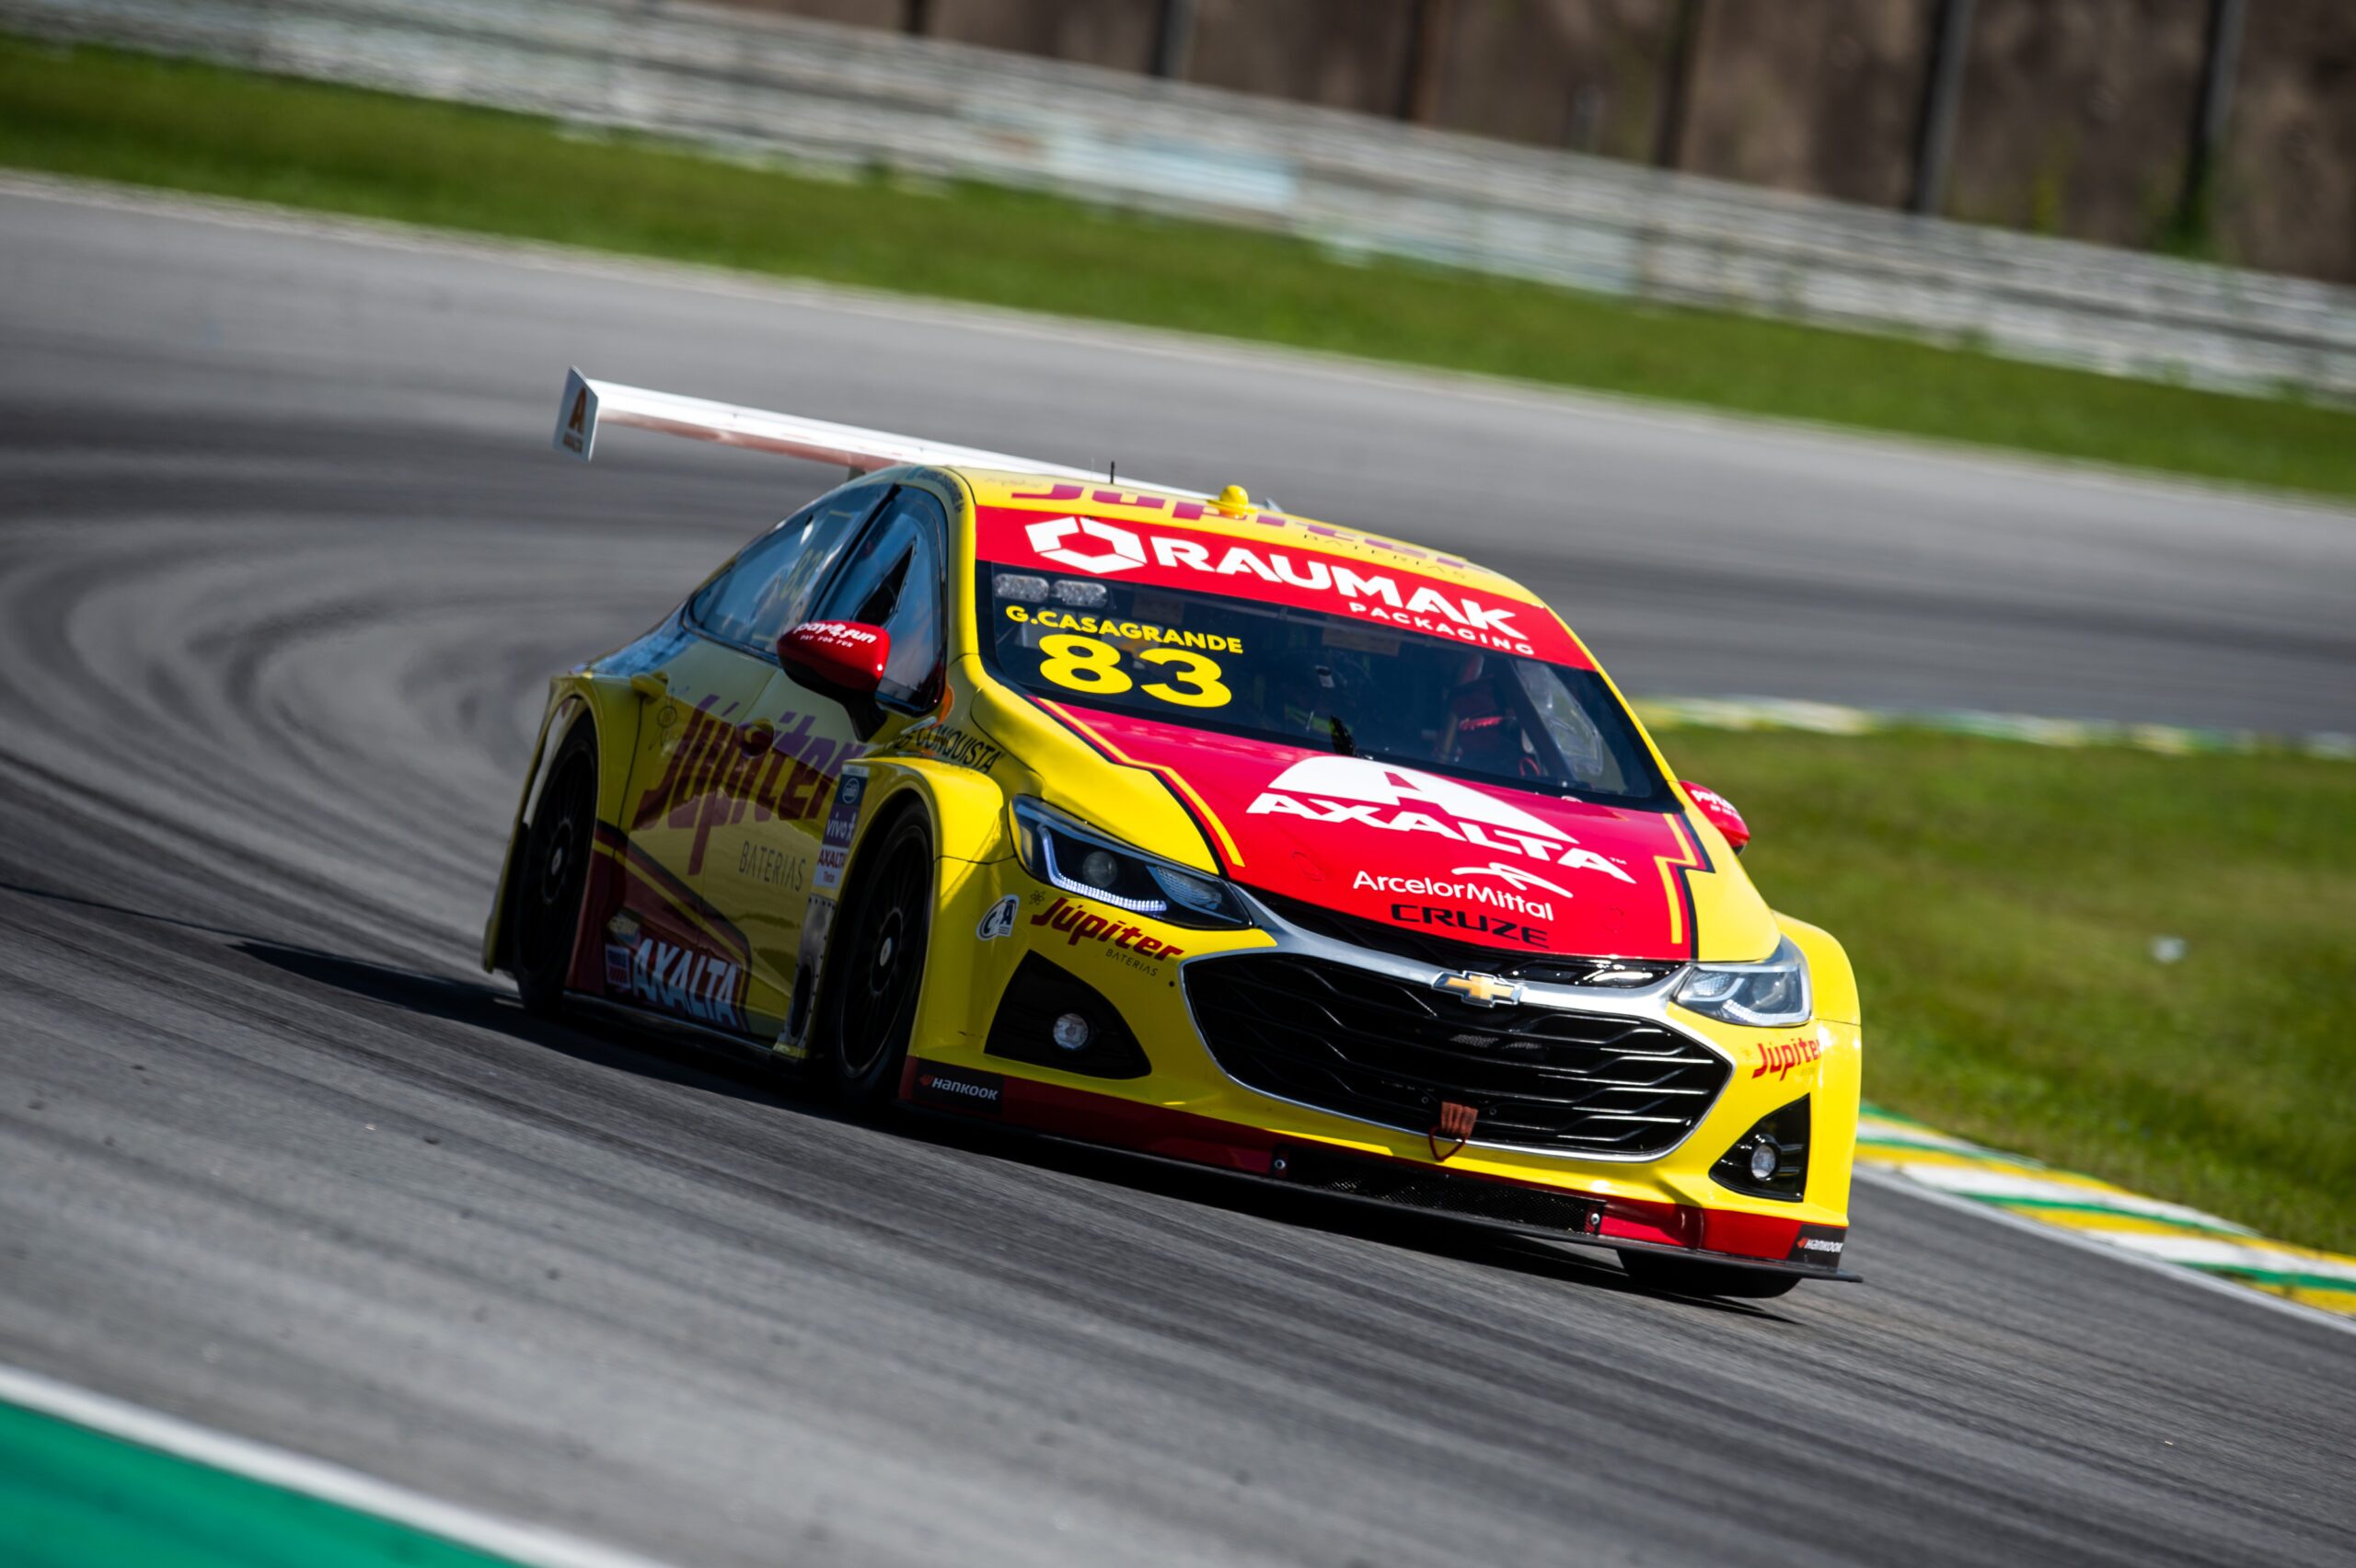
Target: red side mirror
[[843, 659], [1721, 813]]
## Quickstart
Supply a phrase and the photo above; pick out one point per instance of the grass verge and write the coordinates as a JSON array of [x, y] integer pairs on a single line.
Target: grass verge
[[194, 127], [2001, 902]]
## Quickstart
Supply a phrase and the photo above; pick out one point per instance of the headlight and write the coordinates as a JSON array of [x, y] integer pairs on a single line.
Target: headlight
[[1062, 853], [1773, 994]]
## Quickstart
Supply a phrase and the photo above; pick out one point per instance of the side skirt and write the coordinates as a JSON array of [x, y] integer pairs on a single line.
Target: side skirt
[[683, 1032]]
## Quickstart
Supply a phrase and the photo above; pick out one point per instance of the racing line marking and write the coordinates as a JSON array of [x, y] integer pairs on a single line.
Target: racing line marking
[[528, 1544]]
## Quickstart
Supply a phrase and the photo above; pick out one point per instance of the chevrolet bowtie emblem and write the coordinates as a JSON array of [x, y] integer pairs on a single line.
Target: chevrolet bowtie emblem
[[1481, 990]]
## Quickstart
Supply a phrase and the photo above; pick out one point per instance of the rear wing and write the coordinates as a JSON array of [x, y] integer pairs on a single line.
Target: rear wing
[[588, 404]]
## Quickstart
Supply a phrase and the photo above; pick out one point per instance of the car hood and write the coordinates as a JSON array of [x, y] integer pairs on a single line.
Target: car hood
[[1524, 873]]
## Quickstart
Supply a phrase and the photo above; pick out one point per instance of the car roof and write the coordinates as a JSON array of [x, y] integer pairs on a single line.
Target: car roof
[[1233, 516]]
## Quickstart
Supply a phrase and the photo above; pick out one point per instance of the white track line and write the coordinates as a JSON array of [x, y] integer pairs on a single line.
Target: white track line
[[528, 1544], [2026, 1187], [2085, 1242]]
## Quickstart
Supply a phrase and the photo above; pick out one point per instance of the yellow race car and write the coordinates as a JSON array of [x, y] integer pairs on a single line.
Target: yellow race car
[[1160, 819]]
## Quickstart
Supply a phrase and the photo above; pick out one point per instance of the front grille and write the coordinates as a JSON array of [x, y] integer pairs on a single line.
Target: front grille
[[1378, 1049], [1437, 1192], [1402, 942]]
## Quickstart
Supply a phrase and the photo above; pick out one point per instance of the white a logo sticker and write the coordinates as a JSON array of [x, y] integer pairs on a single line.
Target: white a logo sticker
[[1379, 783]]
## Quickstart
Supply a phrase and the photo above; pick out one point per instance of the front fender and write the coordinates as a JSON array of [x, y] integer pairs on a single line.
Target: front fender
[[1840, 1033], [966, 812]]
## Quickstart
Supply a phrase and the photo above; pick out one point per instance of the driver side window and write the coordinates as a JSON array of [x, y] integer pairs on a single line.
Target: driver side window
[[896, 578], [769, 590]]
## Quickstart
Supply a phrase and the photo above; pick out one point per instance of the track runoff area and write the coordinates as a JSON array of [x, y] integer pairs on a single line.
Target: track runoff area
[[2084, 1206]]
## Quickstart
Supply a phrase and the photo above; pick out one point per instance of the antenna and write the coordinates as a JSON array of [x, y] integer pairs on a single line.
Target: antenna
[[1112, 473]]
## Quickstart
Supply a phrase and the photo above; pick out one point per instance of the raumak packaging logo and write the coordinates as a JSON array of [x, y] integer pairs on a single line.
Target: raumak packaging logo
[[1376, 595], [1379, 795]]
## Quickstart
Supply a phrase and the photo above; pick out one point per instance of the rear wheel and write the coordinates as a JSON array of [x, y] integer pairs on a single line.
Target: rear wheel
[[1684, 1276], [877, 966], [552, 874]]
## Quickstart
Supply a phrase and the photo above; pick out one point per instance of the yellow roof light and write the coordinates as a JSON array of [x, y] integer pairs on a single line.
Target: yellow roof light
[[1233, 500]]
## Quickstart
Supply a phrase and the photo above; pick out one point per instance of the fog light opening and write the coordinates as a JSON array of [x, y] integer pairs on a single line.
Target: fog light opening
[[1073, 1032], [1770, 1160]]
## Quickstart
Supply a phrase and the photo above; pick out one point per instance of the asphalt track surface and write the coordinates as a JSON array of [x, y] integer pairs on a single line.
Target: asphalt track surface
[[283, 562]]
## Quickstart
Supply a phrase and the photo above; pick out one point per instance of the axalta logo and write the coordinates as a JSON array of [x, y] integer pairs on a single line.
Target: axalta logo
[[1375, 595], [1122, 553], [1379, 795], [701, 985]]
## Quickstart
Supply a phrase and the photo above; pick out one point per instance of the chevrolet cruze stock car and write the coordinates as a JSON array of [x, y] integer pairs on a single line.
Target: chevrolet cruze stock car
[[1161, 820]]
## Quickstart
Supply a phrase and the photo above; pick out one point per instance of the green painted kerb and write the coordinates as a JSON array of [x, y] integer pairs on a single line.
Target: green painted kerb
[[73, 1498]]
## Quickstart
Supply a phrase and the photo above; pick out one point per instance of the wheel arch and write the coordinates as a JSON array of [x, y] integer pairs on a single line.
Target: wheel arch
[[965, 818], [571, 703]]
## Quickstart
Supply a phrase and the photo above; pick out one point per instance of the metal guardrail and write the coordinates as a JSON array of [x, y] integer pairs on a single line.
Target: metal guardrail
[[814, 92]]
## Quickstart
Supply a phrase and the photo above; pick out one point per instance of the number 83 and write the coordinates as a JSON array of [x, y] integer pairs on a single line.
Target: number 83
[[1085, 664]]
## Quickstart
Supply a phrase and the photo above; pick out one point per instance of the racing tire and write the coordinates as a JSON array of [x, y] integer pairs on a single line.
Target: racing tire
[[552, 874], [1683, 1277], [878, 969]]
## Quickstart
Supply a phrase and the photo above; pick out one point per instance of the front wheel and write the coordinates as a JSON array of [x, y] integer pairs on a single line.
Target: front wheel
[[553, 871], [1685, 1276], [878, 965]]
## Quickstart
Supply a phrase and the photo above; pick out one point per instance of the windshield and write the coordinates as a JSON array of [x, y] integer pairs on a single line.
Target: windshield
[[1302, 677]]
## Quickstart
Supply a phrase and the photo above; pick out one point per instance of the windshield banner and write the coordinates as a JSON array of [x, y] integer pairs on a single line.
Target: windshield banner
[[1275, 571]]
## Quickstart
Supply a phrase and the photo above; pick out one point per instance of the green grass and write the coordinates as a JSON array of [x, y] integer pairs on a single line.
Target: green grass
[[194, 127], [2000, 901]]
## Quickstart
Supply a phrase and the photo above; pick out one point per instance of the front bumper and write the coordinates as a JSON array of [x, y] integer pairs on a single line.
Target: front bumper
[[1184, 1107]]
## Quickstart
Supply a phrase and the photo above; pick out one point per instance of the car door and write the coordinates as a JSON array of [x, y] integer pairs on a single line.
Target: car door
[[713, 754], [760, 866]]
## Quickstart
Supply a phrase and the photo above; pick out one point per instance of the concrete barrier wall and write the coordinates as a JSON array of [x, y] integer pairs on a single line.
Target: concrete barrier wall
[[815, 92]]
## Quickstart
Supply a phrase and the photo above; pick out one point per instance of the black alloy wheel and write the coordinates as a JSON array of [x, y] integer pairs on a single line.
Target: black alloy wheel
[[553, 871], [1683, 1277], [877, 970]]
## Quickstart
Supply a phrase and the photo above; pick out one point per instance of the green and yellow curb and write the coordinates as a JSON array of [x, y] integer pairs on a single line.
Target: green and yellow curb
[[2098, 1211]]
